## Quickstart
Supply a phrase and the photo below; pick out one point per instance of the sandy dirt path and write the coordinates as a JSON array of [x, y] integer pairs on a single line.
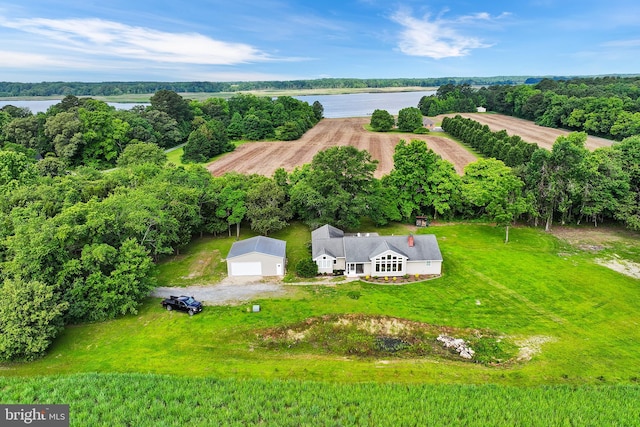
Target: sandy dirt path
[[226, 292]]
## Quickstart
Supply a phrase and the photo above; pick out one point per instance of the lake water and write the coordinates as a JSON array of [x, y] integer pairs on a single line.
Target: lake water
[[346, 105], [363, 104]]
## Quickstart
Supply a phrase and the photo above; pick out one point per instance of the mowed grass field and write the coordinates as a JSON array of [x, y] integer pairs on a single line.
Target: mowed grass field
[[575, 320]]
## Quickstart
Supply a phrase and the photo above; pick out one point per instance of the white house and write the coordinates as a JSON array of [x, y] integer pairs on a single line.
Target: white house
[[481, 109], [257, 256], [369, 254]]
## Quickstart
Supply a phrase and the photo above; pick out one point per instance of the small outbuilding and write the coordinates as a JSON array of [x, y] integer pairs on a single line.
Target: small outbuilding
[[481, 109], [257, 256], [428, 123], [422, 221]]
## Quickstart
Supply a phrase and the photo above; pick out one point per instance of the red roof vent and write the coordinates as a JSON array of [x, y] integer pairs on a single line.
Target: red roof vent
[[410, 241]]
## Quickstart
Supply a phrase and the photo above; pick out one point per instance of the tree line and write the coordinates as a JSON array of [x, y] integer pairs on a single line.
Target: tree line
[[9, 89], [605, 106], [512, 150], [88, 132]]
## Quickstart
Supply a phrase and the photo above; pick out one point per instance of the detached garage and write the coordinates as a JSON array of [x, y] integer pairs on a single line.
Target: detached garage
[[257, 256]]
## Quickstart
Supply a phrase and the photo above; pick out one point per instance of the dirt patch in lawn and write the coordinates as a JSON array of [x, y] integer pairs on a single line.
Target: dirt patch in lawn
[[593, 237], [628, 268], [531, 346], [204, 264], [603, 238], [382, 337], [263, 158]]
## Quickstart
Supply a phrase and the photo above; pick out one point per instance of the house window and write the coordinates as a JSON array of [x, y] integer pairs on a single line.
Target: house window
[[388, 264], [324, 262], [428, 263]]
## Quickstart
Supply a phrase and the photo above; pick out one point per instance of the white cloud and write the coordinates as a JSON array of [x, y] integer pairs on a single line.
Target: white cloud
[[99, 37], [622, 43], [439, 38], [20, 60]]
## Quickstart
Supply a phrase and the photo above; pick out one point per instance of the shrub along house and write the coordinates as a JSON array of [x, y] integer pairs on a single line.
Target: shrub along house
[[257, 256], [369, 254]]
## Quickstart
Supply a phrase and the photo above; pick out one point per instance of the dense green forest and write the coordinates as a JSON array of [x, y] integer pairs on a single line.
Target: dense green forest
[[604, 106], [87, 132], [8, 89]]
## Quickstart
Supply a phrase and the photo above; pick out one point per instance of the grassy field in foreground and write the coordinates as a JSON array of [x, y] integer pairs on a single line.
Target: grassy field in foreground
[[153, 400], [577, 320]]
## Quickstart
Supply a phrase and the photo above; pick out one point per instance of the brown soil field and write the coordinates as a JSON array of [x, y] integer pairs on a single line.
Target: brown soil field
[[528, 131], [264, 158]]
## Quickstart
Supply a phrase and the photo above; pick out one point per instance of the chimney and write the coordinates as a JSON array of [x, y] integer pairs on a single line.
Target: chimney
[[410, 241]]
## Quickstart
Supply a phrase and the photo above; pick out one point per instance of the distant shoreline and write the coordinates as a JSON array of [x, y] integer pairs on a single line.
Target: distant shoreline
[[133, 98]]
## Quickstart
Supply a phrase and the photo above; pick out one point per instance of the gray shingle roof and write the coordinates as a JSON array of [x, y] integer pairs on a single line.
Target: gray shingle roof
[[362, 248], [261, 244], [384, 246], [326, 232], [332, 247]]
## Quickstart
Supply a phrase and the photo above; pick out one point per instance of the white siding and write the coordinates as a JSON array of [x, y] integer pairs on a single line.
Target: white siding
[[422, 267], [268, 265], [325, 264]]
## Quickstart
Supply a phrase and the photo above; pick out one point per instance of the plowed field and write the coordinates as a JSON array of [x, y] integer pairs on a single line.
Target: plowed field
[[264, 158], [528, 131]]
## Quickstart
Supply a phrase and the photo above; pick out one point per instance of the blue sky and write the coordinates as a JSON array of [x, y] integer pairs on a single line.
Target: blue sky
[[240, 40]]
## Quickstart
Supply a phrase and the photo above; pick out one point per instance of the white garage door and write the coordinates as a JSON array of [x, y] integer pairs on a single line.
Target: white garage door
[[246, 269]]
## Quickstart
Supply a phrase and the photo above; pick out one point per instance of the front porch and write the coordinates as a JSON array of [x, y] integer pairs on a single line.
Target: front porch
[[355, 269]]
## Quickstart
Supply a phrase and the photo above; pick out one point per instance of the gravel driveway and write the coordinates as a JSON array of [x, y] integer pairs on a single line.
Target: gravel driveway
[[228, 292]]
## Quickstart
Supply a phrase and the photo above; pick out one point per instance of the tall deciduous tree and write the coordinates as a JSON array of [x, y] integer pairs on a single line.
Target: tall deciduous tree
[[65, 132], [267, 207], [105, 282], [28, 132], [15, 169], [382, 121], [318, 110], [30, 318], [566, 173], [166, 130], [629, 150], [173, 104], [140, 153], [336, 187], [409, 119], [605, 188], [413, 163], [208, 140], [424, 183], [490, 188]]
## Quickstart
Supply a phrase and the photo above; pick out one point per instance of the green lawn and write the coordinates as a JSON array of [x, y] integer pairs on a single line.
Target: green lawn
[[579, 320], [175, 155]]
